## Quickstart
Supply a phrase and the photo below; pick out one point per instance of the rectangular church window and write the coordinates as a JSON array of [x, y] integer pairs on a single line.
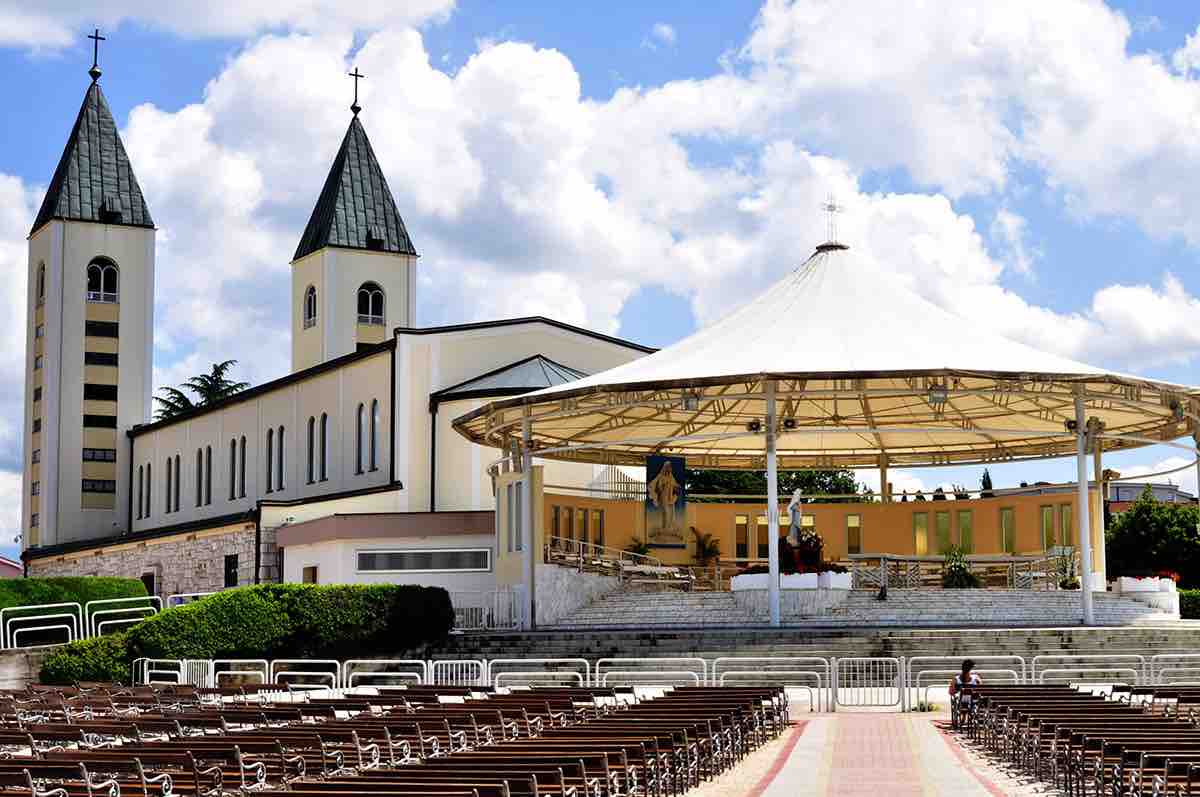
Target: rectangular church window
[[741, 537], [462, 560], [99, 358], [598, 526], [1066, 535], [941, 528], [231, 570], [966, 530], [1048, 541], [921, 533], [853, 534], [1008, 530]]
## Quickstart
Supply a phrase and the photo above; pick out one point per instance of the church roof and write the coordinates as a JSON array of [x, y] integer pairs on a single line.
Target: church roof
[[532, 373], [94, 180], [356, 208]]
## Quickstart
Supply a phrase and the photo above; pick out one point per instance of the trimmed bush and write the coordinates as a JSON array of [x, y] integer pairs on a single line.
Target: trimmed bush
[[103, 658], [67, 589], [273, 621], [1189, 604]]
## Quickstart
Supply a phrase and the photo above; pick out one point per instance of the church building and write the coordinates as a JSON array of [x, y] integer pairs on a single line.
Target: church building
[[345, 470]]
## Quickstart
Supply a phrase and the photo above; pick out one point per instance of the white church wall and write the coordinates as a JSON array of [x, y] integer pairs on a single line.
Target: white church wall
[[336, 562], [337, 392]]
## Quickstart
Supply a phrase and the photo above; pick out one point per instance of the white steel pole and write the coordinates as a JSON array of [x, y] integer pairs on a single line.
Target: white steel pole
[[528, 573], [772, 509], [1084, 513]]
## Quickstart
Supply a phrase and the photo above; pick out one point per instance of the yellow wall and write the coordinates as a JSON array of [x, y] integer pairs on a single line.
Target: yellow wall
[[885, 528], [508, 563]]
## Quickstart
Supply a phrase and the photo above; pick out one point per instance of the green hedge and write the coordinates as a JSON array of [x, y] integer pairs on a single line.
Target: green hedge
[[1189, 604], [67, 589], [267, 622]]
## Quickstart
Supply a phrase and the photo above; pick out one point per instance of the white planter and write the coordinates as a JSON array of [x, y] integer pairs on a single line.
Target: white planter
[[1166, 585], [800, 581], [751, 581], [1126, 584], [826, 580], [838, 580]]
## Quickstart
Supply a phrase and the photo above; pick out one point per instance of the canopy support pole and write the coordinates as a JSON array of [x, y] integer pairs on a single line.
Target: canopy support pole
[[528, 574], [772, 509], [885, 489], [1084, 513], [1102, 493]]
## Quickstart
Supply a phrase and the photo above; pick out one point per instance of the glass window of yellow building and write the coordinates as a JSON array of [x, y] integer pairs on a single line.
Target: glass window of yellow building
[[966, 530], [554, 521], [764, 538], [581, 517], [941, 529], [921, 533], [568, 532], [741, 536], [853, 534], [1048, 529], [598, 526], [1008, 530], [1066, 525]]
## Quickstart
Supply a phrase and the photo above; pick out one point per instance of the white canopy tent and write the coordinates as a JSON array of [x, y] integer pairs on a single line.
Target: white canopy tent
[[839, 364]]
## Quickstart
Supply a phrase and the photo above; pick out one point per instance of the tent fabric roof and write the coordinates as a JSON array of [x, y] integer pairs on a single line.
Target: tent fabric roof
[[523, 376], [864, 369], [94, 179], [356, 208]]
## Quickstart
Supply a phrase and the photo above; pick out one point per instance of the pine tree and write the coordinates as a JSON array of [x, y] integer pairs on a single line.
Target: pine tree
[[209, 388]]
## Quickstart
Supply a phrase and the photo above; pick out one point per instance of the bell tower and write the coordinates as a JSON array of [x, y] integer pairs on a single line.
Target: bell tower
[[89, 334], [354, 272]]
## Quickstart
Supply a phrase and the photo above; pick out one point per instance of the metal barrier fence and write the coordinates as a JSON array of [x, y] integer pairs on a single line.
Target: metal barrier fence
[[868, 682], [55, 623], [490, 610], [1088, 667], [1177, 669]]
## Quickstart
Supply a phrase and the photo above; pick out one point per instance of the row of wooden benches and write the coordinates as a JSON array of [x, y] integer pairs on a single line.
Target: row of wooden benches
[[419, 741], [1124, 741]]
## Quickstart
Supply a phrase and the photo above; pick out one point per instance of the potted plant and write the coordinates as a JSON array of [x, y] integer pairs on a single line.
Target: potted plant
[[708, 547], [956, 573]]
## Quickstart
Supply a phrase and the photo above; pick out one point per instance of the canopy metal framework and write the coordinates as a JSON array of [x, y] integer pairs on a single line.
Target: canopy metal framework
[[842, 365]]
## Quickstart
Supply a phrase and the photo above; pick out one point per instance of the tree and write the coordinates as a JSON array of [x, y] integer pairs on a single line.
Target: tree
[[1154, 536], [985, 485], [814, 483], [208, 388]]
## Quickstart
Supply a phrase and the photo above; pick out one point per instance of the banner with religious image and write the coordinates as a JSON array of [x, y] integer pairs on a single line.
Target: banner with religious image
[[666, 501]]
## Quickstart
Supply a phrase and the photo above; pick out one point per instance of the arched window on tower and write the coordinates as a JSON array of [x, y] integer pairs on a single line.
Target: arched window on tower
[[324, 446], [360, 421], [102, 280], [370, 304], [310, 307], [41, 285], [270, 457], [311, 452], [374, 434]]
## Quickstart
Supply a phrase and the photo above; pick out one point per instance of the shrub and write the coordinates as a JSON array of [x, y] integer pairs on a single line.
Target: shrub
[[67, 589], [1152, 536], [1189, 604], [104, 658], [267, 622], [956, 573]]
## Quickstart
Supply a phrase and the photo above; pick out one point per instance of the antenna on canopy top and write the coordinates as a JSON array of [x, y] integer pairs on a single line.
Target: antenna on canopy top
[[831, 208]]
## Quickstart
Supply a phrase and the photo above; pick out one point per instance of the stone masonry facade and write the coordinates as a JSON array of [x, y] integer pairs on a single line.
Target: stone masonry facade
[[181, 563]]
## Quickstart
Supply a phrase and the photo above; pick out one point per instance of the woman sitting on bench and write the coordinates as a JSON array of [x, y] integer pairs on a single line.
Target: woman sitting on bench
[[960, 701]]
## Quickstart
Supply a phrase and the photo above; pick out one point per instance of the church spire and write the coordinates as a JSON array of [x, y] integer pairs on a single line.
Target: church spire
[[356, 209], [94, 180]]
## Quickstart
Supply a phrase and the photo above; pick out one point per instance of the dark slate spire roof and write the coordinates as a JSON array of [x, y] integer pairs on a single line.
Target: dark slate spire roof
[[94, 180], [523, 376], [356, 208]]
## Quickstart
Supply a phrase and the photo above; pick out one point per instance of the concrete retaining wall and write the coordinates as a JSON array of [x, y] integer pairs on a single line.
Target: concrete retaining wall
[[794, 603], [561, 591]]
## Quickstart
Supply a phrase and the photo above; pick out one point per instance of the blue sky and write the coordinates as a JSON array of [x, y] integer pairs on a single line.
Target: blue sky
[[640, 168]]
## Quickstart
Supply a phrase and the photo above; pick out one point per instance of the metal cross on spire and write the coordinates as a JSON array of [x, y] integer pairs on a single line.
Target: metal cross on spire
[[355, 107], [832, 208], [95, 70]]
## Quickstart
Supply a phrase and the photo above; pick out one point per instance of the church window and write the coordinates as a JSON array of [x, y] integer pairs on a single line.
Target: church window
[[41, 283], [324, 446], [178, 482], [102, 279], [375, 434], [199, 471], [360, 421], [149, 490], [233, 469], [310, 307], [207, 475], [279, 473], [141, 490], [167, 501], [370, 304], [270, 457], [37, 363], [39, 331], [311, 453], [242, 467]]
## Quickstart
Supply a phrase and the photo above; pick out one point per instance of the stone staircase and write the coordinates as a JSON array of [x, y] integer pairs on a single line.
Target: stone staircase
[[903, 608]]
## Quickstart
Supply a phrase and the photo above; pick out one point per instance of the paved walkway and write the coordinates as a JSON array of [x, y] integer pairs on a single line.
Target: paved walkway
[[881, 755]]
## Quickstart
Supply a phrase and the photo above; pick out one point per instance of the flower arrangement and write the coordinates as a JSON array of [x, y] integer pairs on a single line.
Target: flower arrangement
[[956, 573]]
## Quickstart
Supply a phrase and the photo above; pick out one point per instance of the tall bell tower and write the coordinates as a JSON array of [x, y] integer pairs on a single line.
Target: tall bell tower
[[89, 334], [354, 271]]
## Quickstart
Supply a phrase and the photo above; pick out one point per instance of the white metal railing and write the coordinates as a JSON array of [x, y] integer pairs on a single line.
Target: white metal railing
[[650, 667], [868, 681], [458, 672], [488, 610], [589, 555], [327, 672], [122, 611], [240, 668], [921, 668], [650, 678], [1059, 667], [1173, 668], [377, 672], [502, 672], [38, 615]]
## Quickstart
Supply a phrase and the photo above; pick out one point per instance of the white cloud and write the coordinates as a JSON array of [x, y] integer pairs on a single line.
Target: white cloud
[[56, 23], [1012, 231], [660, 34], [1185, 479]]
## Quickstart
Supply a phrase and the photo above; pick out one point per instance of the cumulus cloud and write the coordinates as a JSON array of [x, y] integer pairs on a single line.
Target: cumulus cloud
[[661, 34], [54, 23], [1185, 478]]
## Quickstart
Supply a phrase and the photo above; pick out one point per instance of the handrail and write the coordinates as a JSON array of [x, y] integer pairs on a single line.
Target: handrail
[[566, 544]]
